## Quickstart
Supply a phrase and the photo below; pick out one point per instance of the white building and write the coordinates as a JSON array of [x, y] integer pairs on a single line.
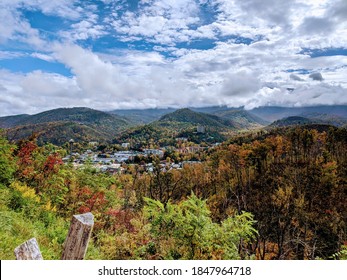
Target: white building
[[125, 145], [156, 152]]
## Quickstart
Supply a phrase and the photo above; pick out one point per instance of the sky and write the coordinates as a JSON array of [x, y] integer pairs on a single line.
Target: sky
[[117, 54]]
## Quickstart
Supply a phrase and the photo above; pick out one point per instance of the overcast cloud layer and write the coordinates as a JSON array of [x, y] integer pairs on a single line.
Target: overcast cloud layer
[[115, 54]]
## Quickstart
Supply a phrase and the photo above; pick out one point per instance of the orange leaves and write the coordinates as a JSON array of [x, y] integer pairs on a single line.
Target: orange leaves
[[330, 168]]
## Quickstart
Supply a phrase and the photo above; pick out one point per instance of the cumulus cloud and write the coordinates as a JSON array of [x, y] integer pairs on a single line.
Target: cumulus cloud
[[134, 82], [176, 53], [241, 84], [317, 25], [295, 78], [303, 95], [272, 11], [12, 26], [10, 12], [338, 11], [36, 92], [160, 21], [48, 85], [316, 76]]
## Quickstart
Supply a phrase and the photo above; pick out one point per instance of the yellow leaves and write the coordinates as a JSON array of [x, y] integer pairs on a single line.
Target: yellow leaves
[[26, 191], [48, 207], [330, 168], [282, 197], [29, 193]]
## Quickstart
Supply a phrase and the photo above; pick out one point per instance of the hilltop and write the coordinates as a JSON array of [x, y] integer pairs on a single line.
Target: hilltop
[[180, 123], [59, 125], [242, 119], [307, 119], [290, 121], [142, 116], [187, 116]]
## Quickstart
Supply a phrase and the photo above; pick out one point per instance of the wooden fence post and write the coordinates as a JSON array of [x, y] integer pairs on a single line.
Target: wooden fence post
[[76, 242], [29, 250]]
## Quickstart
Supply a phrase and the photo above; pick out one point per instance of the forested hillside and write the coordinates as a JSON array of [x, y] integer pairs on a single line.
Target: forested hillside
[[180, 123], [58, 126], [279, 194]]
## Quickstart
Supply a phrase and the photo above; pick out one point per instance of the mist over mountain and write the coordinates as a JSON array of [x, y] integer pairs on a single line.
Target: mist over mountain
[[273, 113]]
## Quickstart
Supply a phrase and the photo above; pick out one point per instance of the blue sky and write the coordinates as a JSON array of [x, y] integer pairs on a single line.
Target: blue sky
[[110, 54]]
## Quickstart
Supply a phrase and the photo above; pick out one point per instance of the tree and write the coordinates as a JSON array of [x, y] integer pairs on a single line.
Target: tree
[[7, 161], [186, 230]]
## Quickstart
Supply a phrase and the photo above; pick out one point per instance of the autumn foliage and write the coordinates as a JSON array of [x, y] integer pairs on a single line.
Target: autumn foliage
[[268, 195]]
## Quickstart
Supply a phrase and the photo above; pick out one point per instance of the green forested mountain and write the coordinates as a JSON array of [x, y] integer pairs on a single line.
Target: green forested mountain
[[242, 119], [324, 118], [143, 136], [77, 114], [315, 118], [181, 123], [294, 120], [143, 116], [11, 121], [59, 133], [187, 116], [59, 125]]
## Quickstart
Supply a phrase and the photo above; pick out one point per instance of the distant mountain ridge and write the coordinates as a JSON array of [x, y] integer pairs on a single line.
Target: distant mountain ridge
[[307, 119], [142, 116], [186, 115], [290, 121], [273, 113], [262, 115], [59, 125]]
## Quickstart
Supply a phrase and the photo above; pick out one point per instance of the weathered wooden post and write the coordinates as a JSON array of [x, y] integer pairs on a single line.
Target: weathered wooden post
[[76, 242], [29, 250]]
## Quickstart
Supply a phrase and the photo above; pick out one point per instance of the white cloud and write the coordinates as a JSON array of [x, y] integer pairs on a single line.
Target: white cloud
[[227, 72], [61, 8], [43, 56], [316, 77], [36, 92], [296, 78], [164, 21], [241, 84], [12, 27], [10, 55]]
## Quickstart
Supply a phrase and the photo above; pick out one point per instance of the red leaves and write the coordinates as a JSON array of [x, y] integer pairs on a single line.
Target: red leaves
[[94, 201], [25, 153], [52, 163], [121, 219]]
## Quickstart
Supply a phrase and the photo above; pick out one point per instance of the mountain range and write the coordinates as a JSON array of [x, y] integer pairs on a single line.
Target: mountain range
[[83, 124]]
